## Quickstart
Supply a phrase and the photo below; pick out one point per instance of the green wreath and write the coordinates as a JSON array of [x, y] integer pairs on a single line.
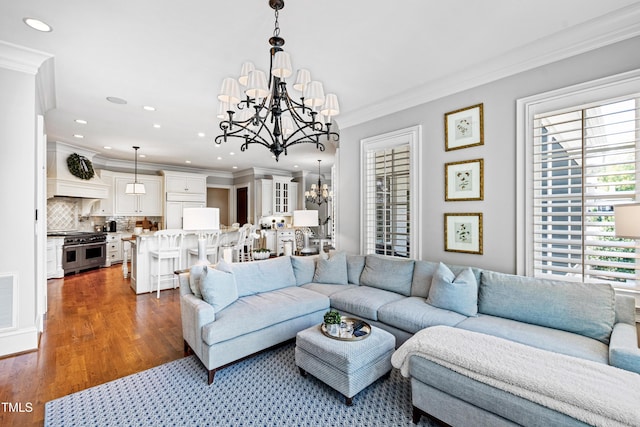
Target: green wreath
[[80, 166]]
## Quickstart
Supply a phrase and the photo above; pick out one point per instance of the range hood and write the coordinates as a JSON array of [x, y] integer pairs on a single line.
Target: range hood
[[60, 182]]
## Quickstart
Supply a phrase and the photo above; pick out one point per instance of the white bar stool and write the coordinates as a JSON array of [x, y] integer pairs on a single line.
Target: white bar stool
[[212, 238], [169, 248]]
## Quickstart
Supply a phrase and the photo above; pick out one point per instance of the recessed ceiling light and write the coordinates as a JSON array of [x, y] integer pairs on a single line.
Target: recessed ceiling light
[[273, 157], [296, 166], [234, 167], [156, 125], [77, 135], [201, 134], [80, 121], [232, 153], [142, 156], [149, 108], [217, 145], [188, 161], [116, 100], [106, 147], [219, 158], [37, 24]]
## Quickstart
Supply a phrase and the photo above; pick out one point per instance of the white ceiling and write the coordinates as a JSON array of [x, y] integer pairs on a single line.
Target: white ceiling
[[378, 56]]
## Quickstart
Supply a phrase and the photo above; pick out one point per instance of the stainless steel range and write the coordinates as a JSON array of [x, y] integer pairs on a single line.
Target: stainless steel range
[[82, 250]]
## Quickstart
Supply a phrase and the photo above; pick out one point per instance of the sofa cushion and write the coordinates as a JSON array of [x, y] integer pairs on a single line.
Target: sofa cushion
[[539, 336], [363, 301], [303, 268], [218, 287], [456, 293], [412, 314], [327, 289], [259, 311], [263, 276], [355, 265], [331, 269], [585, 309], [388, 273]]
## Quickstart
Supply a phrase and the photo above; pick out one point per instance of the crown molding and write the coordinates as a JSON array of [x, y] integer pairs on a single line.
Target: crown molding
[[20, 58], [608, 29]]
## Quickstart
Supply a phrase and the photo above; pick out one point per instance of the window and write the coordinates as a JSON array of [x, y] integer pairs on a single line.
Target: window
[[582, 161], [390, 218]]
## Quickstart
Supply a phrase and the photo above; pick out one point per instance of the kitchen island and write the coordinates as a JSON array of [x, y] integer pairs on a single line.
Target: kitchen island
[[141, 246]]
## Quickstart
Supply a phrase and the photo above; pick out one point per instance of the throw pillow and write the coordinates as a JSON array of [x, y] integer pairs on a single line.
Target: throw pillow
[[195, 276], [455, 293], [331, 270], [218, 288], [303, 268]]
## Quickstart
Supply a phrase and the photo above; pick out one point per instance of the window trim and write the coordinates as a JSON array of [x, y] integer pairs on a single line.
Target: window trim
[[413, 137], [526, 108]]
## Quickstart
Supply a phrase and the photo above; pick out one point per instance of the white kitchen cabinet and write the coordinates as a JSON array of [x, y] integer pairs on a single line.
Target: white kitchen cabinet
[[148, 204], [264, 197], [104, 207], [185, 183], [114, 248], [183, 190], [54, 257], [173, 212], [276, 196]]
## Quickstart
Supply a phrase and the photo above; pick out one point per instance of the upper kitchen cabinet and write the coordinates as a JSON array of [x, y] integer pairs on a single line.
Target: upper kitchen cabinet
[[180, 185], [148, 204], [104, 207], [276, 196]]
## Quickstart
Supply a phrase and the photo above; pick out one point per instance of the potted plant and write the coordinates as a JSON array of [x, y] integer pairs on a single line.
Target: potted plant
[[262, 253], [332, 321]]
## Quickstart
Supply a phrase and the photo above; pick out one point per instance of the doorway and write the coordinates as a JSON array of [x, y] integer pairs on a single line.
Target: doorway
[[242, 205]]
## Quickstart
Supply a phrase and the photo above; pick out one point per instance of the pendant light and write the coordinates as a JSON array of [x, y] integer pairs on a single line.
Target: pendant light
[[135, 187]]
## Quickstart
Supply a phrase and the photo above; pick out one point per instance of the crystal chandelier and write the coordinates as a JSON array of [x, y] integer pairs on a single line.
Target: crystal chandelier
[[269, 115], [319, 193]]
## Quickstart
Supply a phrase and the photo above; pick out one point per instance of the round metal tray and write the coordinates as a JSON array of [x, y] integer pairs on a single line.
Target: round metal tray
[[366, 328]]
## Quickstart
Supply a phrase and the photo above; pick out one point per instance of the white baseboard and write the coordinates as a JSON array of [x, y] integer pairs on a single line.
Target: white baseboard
[[17, 341]]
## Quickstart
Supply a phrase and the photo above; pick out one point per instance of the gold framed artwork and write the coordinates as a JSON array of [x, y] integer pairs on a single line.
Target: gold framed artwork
[[464, 128], [463, 232], [464, 180]]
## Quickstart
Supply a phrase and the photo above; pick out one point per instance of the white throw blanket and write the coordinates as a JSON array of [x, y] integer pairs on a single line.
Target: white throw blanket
[[591, 392]]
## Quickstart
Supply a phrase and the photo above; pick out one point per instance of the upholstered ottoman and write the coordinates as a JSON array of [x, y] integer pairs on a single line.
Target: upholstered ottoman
[[346, 366]]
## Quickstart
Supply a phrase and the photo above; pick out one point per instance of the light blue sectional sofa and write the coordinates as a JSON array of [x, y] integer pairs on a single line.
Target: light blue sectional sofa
[[276, 298]]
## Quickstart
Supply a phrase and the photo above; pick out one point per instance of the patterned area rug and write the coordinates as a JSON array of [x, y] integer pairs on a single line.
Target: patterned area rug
[[265, 390]]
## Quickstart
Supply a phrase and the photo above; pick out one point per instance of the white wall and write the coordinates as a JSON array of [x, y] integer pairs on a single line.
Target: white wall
[[499, 153], [18, 176]]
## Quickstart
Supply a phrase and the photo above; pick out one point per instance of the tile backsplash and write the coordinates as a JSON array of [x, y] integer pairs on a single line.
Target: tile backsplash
[[63, 214]]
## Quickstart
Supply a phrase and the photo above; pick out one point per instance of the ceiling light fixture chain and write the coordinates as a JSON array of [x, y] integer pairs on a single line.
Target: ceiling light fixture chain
[[266, 113]]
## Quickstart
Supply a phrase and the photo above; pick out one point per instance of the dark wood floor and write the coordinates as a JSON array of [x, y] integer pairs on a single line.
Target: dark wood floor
[[96, 330]]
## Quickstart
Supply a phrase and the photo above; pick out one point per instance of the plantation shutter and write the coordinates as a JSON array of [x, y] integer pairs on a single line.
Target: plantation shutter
[[387, 201], [584, 163]]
